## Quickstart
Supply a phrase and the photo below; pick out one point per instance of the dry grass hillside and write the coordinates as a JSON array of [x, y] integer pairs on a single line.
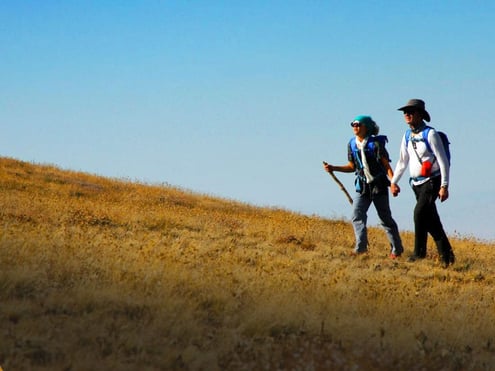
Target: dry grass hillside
[[105, 274]]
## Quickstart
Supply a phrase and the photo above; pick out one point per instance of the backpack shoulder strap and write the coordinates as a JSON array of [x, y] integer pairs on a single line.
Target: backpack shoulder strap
[[426, 131], [424, 134], [352, 143], [355, 154], [407, 135]]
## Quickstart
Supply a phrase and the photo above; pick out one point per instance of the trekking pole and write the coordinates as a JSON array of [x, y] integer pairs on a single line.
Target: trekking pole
[[349, 198]]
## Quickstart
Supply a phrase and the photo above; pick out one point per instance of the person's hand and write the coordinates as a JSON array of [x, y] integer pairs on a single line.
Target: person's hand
[[443, 194], [395, 189], [328, 168]]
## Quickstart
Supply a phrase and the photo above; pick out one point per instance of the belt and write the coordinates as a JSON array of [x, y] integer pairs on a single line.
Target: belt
[[420, 178]]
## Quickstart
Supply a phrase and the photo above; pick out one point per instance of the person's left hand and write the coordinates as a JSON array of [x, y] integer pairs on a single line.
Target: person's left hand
[[395, 189]]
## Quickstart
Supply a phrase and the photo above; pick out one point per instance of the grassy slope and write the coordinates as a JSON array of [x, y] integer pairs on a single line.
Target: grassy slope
[[98, 273]]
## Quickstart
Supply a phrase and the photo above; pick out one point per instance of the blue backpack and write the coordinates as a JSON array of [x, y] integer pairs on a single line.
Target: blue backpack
[[443, 137], [370, 146]]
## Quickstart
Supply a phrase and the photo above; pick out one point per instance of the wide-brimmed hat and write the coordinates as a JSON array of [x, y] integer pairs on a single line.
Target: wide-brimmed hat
[[419, 105]]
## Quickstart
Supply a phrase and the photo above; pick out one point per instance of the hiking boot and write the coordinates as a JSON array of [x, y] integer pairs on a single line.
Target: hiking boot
[[413, 258], [452, 257], [448, 259]]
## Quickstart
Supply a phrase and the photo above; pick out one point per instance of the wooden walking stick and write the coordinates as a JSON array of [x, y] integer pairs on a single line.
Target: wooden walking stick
[[349, 198]]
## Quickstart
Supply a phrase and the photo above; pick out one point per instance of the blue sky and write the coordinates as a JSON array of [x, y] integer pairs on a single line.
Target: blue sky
[[244, 99]]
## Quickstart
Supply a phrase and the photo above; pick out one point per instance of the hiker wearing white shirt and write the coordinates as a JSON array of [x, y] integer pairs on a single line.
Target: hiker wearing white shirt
[[369, 159], [423, 151]]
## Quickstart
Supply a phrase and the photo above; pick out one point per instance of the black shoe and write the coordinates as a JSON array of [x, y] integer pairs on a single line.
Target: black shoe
[[449, 259], [413, 258]]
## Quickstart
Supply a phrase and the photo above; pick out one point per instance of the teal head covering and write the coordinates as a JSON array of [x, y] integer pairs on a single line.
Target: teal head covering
[[371, 127]]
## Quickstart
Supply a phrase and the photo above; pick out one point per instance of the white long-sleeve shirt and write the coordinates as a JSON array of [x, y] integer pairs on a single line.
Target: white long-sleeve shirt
[[407, 156]]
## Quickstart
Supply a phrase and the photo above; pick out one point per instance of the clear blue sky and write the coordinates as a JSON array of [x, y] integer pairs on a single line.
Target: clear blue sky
[[244, 99]]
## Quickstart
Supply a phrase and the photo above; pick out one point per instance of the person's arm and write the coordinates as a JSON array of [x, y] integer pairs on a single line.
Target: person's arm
[[387, 167], [394, 188], [349, 168], [439, 152], [399, 168]]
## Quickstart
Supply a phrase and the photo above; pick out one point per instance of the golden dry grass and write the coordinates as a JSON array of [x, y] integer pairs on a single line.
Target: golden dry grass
[[99, 273]]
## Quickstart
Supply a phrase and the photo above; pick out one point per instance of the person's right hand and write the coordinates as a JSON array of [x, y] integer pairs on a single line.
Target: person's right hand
[[328, 168]]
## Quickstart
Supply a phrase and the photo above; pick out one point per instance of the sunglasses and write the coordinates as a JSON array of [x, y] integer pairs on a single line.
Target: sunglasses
[[409, 112], [355, 124]]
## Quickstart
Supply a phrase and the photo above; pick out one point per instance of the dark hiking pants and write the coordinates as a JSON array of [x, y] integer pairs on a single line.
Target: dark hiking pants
[[427, 220]]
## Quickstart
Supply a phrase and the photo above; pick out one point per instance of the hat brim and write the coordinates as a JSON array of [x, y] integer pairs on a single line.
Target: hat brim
[[426, 115]]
